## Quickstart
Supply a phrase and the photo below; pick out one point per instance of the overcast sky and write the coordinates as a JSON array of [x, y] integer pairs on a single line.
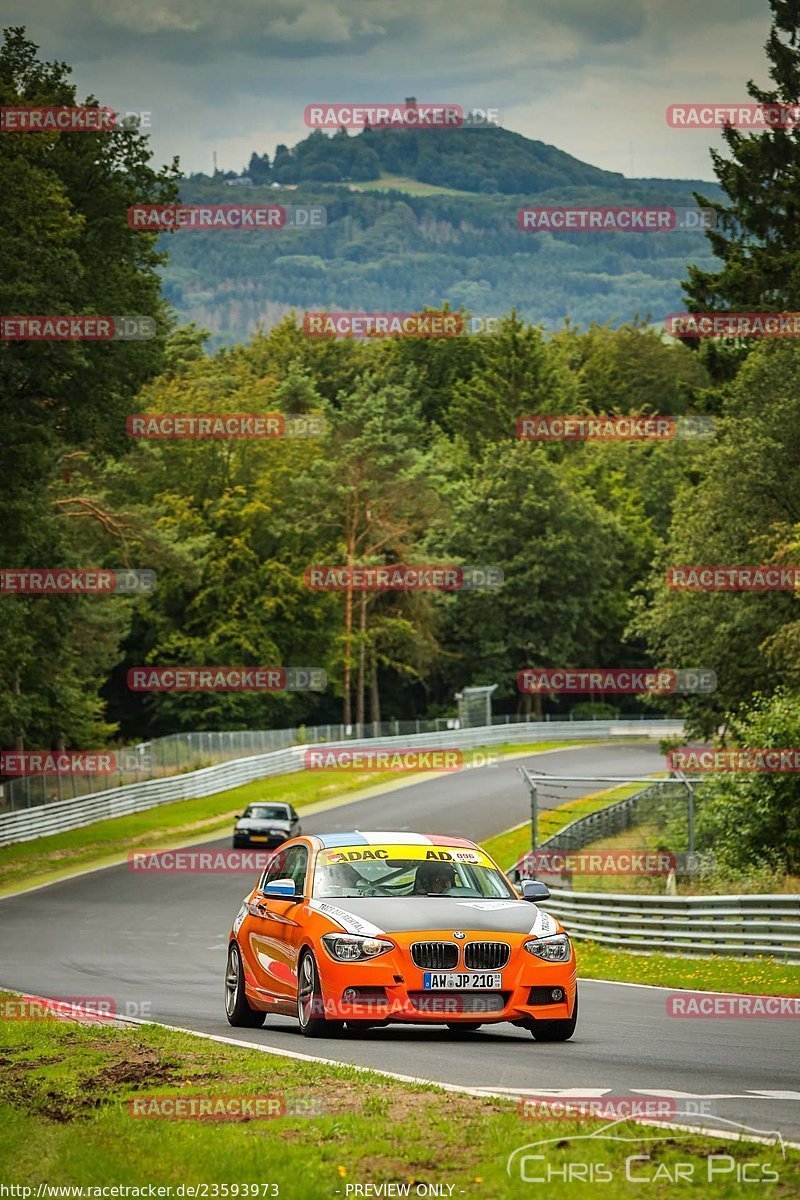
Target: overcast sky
[[592, 77]]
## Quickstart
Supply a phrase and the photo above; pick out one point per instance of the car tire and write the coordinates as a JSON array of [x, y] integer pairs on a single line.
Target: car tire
[[237, 1007], [555, 1031], [459, 1028], [310, 1001]]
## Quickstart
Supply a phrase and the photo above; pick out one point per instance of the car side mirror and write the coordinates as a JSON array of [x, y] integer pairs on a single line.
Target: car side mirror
[[532, 889], [237, 817], [283, 889]]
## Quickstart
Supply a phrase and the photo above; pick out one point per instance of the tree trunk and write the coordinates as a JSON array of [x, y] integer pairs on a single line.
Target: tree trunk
[[362, 660], [350, 539], [19, 743], [347, 714], [374, 693]]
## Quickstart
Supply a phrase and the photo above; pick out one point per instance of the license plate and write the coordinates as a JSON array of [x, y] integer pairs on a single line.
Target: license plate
[[461, 980], [256, 837]]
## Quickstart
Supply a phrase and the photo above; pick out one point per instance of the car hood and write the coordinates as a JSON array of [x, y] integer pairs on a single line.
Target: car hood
[[371, 916], [263, 823]]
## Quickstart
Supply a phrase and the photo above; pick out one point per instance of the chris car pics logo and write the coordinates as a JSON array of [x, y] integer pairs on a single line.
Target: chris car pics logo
[[575, 1159]]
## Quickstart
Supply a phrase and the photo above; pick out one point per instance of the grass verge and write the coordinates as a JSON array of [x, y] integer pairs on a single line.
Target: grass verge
[[65, 1105], [25, 864], [743, 976]]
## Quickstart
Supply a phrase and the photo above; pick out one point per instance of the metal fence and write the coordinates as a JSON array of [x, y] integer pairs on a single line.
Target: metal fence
[[740, 926], [604, 823], [178, 752], [61, 815]]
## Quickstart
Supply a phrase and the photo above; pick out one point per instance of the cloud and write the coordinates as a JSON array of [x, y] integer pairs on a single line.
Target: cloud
[[321, 22], [593, 77]]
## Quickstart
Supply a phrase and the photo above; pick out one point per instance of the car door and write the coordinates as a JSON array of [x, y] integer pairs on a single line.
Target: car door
[[276, 942]]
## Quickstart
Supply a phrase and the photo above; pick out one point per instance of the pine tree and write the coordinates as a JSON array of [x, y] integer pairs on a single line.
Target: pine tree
[[756, 232]]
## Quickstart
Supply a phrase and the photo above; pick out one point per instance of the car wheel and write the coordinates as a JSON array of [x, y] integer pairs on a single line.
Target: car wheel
[[555, 1031], [237, 1008], [461, 1027], [310, 1004]]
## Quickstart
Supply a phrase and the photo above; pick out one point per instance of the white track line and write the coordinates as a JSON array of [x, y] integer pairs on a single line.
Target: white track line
[[478, 1093]]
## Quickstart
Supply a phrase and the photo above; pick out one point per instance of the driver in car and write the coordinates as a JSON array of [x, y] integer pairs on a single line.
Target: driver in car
[[434, 878]]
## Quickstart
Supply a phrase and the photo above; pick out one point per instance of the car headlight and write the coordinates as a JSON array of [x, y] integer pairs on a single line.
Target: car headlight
[[555, 948], [351, 947]]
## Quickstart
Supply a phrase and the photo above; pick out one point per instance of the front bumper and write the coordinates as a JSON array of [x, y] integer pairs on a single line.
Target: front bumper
[[259, 841], [391, 988]]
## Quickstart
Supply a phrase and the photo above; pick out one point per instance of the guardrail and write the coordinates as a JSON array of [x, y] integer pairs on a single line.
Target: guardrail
[[732, 925], [61, 815]]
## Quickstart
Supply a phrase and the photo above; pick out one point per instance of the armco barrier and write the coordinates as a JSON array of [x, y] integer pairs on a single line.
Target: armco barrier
[[24, 825], [733, 925]]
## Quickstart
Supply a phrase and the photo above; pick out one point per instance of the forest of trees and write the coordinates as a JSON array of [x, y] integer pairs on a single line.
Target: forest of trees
[[420, 463], [379, 249]]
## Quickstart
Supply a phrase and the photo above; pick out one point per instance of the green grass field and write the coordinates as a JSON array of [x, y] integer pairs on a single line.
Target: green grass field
[[401, 183], [744, 976], [66, 1093]]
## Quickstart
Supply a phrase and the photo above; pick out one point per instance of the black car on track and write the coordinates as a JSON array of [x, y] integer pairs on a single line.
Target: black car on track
[[265, 824]]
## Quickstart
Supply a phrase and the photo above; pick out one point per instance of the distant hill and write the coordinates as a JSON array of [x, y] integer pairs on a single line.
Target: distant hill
[[476, 159], [445, 230]]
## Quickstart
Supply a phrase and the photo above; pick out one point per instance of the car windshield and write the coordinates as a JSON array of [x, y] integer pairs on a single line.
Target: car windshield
[[397, 871], [267, 812]]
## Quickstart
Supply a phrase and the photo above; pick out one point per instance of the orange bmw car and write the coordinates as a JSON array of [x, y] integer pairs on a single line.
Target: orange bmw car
[[367, 928]]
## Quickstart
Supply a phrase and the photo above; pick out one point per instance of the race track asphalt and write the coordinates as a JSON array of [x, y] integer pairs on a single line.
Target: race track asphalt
[[156, 943]]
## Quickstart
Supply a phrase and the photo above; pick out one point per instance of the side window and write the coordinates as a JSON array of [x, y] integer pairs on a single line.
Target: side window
[[275, 870], [296, 864]]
